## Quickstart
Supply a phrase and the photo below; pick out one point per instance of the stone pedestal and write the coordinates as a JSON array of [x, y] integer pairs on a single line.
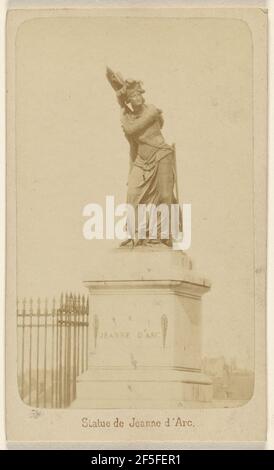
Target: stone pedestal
[[145, 332]]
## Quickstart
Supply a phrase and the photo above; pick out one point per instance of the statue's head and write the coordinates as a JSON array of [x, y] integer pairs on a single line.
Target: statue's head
[[134, 93], [128, 91], [131, 93]]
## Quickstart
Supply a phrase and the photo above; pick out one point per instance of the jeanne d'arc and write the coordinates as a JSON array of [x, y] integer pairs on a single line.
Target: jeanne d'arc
[[152, 172]]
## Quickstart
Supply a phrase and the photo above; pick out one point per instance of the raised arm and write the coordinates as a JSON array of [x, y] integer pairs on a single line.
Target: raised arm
[[139, 124]]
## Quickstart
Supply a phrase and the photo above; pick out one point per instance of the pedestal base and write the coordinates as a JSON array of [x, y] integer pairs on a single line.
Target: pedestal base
[[141, 389], [145, 333]]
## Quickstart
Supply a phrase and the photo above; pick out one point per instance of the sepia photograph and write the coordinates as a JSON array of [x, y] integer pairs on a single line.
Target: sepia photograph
[[136, 224]]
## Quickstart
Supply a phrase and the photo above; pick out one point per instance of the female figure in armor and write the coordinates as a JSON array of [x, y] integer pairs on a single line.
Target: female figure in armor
[[152, 173]]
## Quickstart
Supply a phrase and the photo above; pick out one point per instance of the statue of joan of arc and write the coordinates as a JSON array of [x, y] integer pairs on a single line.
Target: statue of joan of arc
[[152, 175]]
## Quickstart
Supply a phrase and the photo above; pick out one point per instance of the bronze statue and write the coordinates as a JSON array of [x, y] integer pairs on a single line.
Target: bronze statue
[[152, 176]]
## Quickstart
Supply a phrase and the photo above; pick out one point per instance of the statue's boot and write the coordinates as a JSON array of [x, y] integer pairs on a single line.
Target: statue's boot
[[129, 242], [138, 242]]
